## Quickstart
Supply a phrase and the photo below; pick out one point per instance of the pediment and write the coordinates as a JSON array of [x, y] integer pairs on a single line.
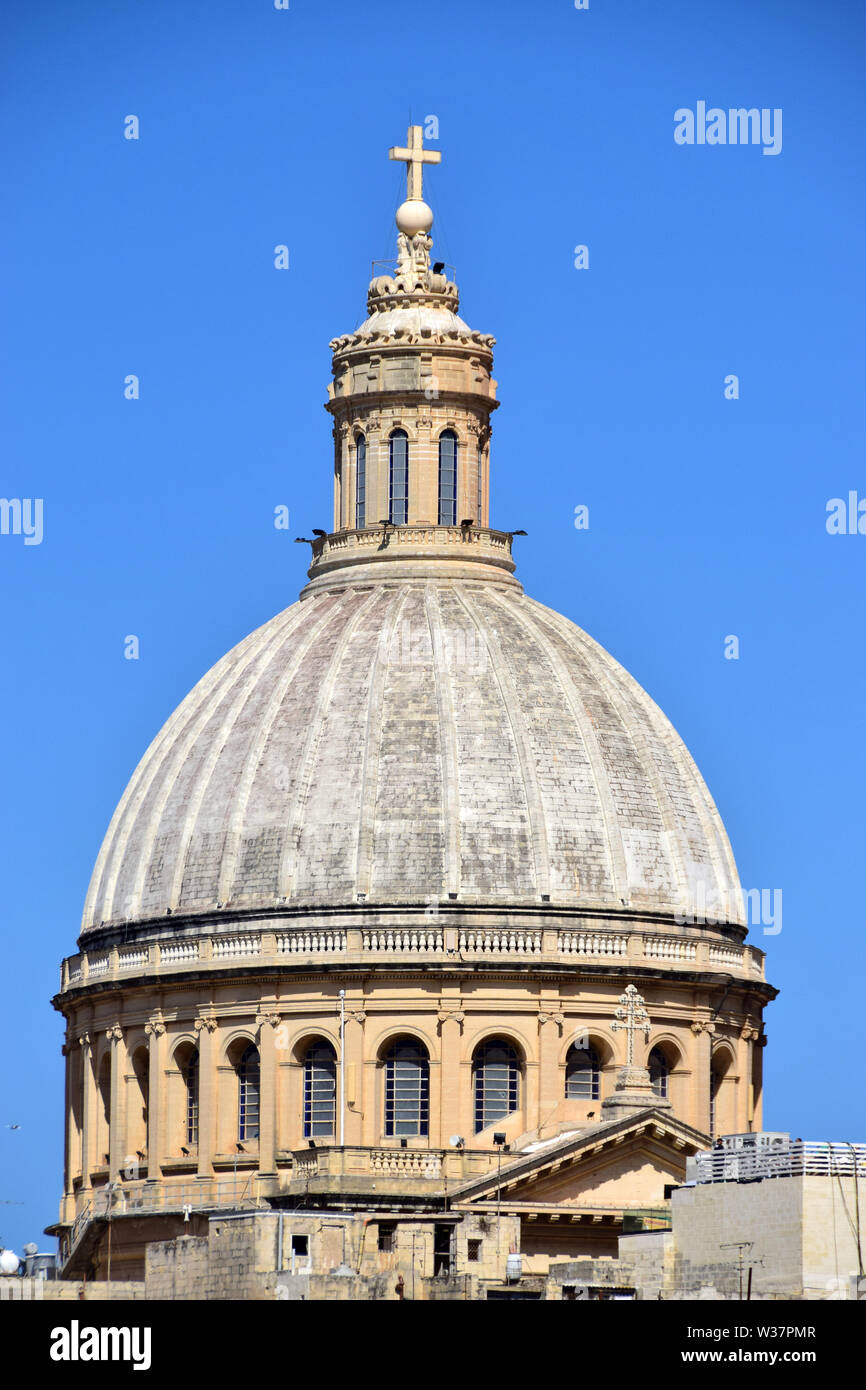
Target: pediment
[[610, 1166]]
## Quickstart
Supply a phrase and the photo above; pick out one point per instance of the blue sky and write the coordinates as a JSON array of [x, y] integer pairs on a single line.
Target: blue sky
[[707, 516]]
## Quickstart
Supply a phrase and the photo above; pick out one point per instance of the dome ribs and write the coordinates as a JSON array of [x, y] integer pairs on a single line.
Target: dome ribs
[[537, 818], [645, 816], [372, 737], [291, 843], [606, 872], [329, 827], [688, 846], [132, 856], [177, 809], [447, 744], [103, 879], [256, 753], [408, 858]]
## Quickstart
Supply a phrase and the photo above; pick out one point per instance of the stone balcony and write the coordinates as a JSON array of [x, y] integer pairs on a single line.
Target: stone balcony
[[434, 945], [438, 552]]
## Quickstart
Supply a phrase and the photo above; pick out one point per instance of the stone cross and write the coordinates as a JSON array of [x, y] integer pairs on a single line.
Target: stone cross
[[414, 157], [632, 1018]]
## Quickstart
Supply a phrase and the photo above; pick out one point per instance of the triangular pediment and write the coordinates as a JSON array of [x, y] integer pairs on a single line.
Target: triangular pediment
[[625, 1163]]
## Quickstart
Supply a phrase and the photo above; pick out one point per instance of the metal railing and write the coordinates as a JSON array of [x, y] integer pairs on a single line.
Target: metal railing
[[142, 1199], [794, 1158]]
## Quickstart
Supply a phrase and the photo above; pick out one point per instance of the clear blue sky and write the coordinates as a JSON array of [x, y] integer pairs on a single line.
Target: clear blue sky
[[707, 516]]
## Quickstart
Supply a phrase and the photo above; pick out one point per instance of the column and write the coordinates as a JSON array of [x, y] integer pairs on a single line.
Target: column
[[268, 1023], [88, 1109], [155, 1030], [117, 1103], [207, 1085], [70, 1130], [701, 1057]]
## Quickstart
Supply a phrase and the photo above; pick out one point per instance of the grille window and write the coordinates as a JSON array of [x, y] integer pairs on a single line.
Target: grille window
[[190, 1081], [407, 1090], [360, 482], [582, 1074], [398, 506], [448, 478], [248, 1094], [387, 1231], [320, 1090], [497, 1081], [659, 1072]]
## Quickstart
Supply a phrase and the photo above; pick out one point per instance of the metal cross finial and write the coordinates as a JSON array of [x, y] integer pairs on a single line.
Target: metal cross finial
[[632, 1018], [414, 157]]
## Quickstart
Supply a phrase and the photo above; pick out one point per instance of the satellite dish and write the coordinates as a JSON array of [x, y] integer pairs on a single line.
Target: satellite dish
[[457, 1141], [581, 1291], [9, 1262], [31, 1249]]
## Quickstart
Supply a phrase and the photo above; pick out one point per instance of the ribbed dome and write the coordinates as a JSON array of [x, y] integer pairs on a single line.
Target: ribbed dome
[[407, 741]]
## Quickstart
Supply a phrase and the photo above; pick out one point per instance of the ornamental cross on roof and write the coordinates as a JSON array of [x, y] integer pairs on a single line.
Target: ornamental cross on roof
[[632, 1018], [414, 157]]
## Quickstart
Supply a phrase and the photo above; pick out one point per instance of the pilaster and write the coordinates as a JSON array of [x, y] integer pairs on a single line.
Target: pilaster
[[205, 1027], [155, 1030], [117, 1104]]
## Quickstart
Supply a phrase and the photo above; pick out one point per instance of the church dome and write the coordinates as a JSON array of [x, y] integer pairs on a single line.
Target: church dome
[[410, 742]]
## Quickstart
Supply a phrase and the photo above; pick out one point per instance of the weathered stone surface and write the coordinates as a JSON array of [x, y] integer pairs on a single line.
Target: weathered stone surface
[[408, 741]]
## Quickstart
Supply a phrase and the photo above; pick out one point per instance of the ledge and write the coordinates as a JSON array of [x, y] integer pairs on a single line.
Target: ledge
[[433, 947]]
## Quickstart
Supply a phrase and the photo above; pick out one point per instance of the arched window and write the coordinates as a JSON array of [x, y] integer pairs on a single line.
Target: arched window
[[582, 1073], [189, 1072], [360, 482], [320, 1090], [497, 1082], [479, 505], [659, 1071], [248, 1094], [407, 1089], [398, 503], [448, 478]]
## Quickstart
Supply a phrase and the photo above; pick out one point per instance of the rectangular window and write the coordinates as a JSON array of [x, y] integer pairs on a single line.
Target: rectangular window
[[320, 1093], [448, 478], [407, 1095], [387, 1231], [398, 508], [473, 1251], [360, 484], [300, 1245]]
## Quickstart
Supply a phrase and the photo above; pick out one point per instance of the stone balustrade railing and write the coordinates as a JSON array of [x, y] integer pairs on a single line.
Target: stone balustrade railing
[[439, 942], [502, 943], [417, 1162], [408, 942], [670, 948], [410, 536], [310, 943], [592, 944]]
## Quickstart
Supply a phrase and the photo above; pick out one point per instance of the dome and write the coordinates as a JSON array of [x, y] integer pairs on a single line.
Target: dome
[[407, 742]]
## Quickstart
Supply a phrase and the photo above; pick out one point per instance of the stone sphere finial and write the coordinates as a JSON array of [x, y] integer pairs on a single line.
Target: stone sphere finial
[[414, 216]]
